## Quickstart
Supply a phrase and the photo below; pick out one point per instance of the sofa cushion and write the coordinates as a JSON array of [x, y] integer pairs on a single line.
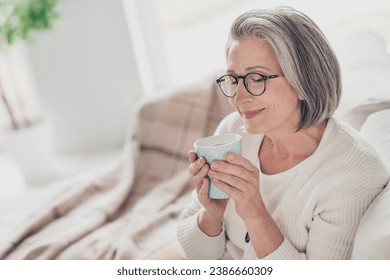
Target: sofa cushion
[[372, 239], [377, 130], [356, 116], [365, 69]]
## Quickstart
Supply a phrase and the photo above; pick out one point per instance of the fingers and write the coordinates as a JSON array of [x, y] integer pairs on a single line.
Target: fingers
[[238, 173], [231, 180], [196, 164], [234, 175], [192, 156], [227, 188], [200, 175], [236, 159], [203, 191], [229, 169], [198, 169]]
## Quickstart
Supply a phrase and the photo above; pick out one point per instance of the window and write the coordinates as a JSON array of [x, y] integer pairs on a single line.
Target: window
[[194, 34], [185, 40]]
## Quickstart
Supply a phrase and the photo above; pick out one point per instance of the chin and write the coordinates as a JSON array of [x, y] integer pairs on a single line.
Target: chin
[[253, 130]]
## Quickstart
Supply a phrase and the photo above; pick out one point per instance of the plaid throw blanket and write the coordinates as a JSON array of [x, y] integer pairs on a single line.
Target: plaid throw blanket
[[129, 211]]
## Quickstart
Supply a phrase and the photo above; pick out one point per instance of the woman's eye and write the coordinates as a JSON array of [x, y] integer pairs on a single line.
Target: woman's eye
[[257, 80]]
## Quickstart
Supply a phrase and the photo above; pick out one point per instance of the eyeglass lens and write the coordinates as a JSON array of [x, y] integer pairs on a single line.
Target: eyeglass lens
[[253, 82]]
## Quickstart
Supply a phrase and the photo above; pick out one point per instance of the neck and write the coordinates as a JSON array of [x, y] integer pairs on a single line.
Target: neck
[[291, 144]]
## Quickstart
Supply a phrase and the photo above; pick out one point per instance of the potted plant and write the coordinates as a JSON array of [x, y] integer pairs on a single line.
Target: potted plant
[[25, 132], [19, 19]]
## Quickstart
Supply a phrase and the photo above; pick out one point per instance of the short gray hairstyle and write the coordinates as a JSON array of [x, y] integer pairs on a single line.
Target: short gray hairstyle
[[305, 56]]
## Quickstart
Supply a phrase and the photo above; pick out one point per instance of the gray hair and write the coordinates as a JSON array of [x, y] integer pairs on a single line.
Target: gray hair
[[305, 56]]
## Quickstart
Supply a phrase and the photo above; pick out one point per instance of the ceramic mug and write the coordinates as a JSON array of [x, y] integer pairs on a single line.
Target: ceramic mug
[[216, 148]]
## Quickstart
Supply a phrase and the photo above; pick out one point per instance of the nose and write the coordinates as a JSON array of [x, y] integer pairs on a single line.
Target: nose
[[242, 94]]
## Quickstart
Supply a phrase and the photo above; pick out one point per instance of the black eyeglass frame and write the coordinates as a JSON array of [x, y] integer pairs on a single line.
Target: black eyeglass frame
[[237, 78]]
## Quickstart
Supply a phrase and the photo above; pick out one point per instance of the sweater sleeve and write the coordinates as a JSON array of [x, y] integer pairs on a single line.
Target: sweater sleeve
[[195, 243]]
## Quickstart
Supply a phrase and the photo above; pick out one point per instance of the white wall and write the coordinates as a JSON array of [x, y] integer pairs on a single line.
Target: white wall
[[194, 32], [86, 75]]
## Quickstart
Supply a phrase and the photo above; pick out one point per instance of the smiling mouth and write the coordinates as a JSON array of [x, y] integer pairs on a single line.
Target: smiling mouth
[[251, 114]]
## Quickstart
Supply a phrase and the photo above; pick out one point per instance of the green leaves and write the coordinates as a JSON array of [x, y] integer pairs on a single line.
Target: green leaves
[[20, 18]]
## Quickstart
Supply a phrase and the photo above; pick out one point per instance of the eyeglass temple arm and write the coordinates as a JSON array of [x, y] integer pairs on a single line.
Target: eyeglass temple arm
[[274, 76]]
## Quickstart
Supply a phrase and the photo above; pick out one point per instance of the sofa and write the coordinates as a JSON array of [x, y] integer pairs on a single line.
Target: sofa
[[131, 209], [372, 240], [365, 65]]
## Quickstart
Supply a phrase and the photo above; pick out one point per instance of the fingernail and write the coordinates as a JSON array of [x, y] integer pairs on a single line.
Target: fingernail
[[214, 165], [231, 156], [199, 162]]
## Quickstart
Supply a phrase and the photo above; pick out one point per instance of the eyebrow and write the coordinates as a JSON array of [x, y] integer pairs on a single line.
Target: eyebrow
[[251, 68]]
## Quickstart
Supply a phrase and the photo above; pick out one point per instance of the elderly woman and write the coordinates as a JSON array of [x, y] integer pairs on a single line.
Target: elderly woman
[[305, 178]]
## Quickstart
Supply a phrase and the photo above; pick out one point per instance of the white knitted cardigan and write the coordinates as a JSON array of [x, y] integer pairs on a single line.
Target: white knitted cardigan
[[319, 212]]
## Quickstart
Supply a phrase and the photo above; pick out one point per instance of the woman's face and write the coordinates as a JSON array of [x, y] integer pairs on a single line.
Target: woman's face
[[277, 109]]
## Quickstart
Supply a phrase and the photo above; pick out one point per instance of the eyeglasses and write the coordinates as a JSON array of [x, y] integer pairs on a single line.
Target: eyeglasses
[[253, 82]]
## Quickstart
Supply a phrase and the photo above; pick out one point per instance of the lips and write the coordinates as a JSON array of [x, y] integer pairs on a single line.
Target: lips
[[251, 114]]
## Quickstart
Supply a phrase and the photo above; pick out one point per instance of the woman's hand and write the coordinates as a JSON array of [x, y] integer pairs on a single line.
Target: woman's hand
[[239, 178], [199, 169]]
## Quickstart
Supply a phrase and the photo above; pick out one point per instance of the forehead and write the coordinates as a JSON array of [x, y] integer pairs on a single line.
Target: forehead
[[251, 51]]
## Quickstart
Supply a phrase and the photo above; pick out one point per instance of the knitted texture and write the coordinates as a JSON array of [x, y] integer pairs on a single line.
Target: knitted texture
[[320, 209]]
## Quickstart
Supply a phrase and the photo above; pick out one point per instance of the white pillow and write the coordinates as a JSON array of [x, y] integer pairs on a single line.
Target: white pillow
[[377, 130], [365, 69], [372, 240], [357, 115]]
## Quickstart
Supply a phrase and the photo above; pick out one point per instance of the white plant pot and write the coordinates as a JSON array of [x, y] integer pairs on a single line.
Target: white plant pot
[[11, 180], [32, 149]]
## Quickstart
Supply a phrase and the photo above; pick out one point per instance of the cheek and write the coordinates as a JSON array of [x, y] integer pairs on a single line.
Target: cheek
[[231, 102]]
